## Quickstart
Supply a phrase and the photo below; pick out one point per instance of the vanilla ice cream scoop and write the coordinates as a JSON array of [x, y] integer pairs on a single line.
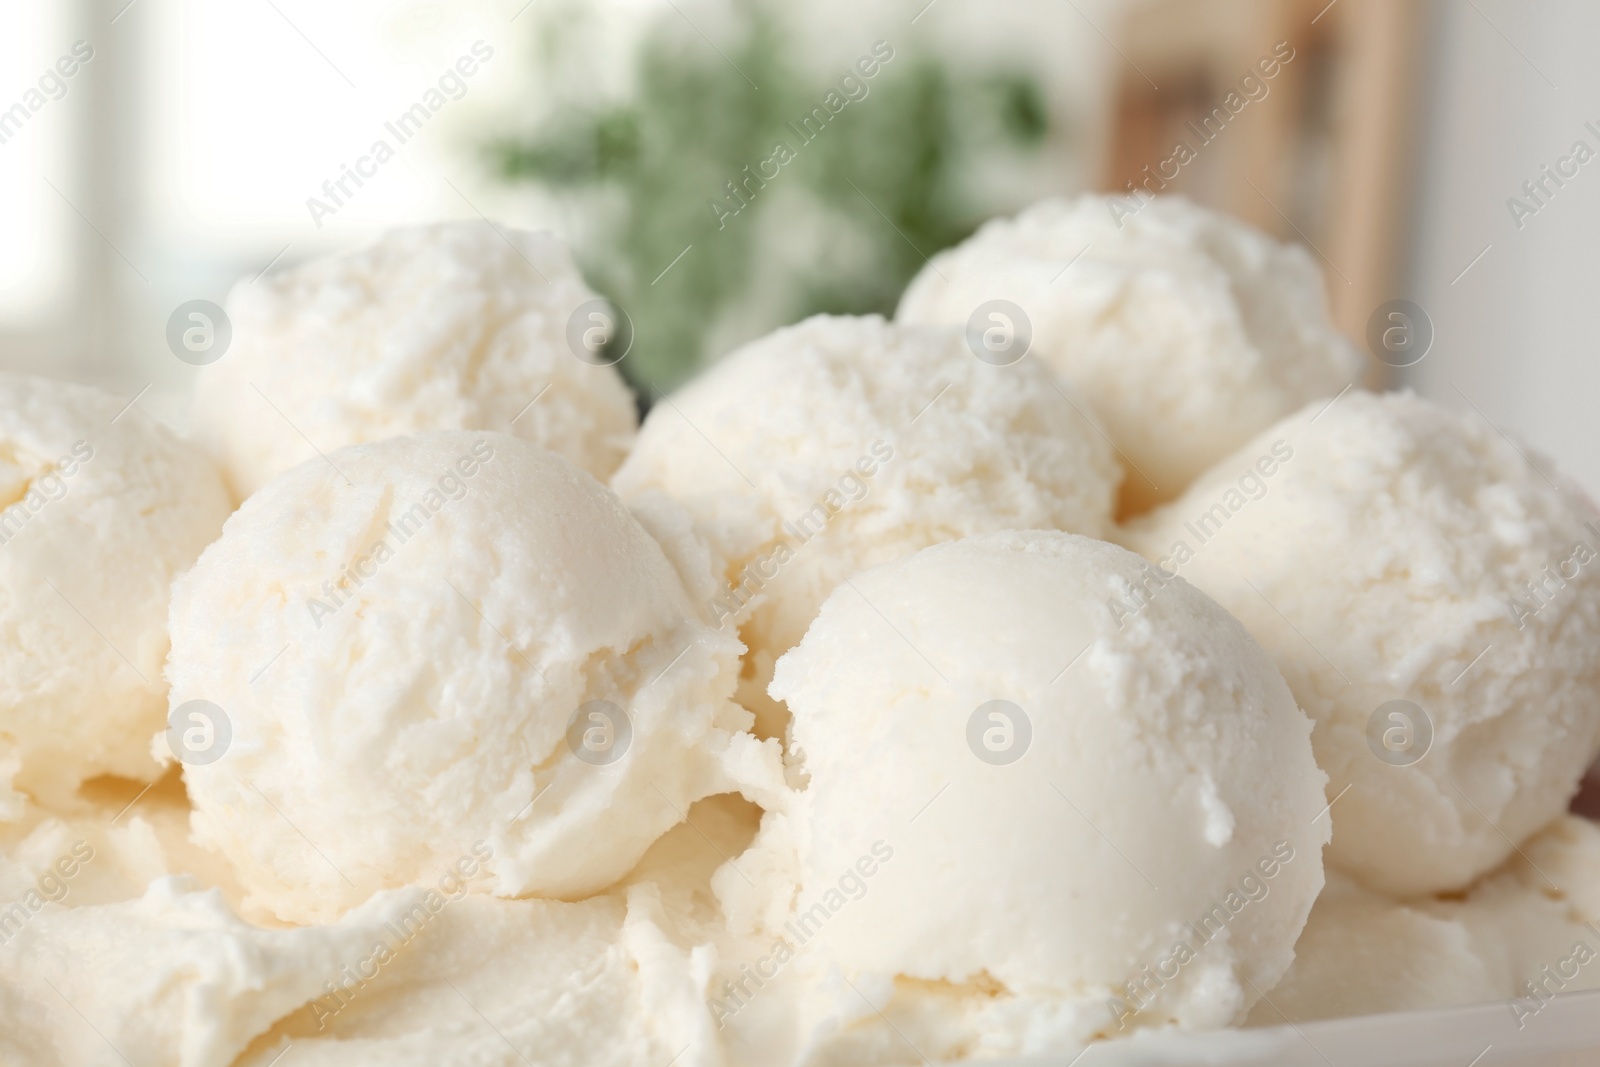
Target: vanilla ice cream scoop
[[462, 325], [1185, 330], [839, 443], [100, 508], [1433, 599], [1111, 822], [436, 639]]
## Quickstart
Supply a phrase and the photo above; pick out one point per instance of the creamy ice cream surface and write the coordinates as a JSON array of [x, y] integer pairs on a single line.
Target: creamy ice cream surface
[[617, 979], [1528, 931], [1185, 330], [118, 839], [1020, 806], [463, 325], [101, 507], [167, 972], [469, 640], [511, 982], [1363, 953], [174, 976], [1433, 599], [841, 442], [413, 976]]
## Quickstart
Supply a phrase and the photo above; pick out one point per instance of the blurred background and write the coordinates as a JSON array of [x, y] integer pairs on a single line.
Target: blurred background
[[1426, 150]]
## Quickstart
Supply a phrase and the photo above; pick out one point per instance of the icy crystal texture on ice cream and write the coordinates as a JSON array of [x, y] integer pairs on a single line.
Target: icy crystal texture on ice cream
[[1185, 330], [100, 508], [843, 442], [469, 639], [452, 326], [1100, 822], [1433, 600]]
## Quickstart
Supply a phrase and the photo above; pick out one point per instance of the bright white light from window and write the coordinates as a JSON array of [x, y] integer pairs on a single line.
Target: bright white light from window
[[35, 135], [256, 105]]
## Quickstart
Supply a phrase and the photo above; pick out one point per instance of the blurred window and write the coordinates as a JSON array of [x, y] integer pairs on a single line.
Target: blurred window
[[36, 128]]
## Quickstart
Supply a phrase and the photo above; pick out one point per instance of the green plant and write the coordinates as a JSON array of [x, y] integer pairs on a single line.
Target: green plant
[[879, 188]]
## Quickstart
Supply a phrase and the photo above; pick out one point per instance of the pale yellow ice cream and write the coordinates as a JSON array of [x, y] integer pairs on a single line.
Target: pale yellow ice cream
[[136, 834], [100, 508], [168, 973], [1363, 953], [173, 976], [413, 976], [469, 640], [462, 325], [839, 443], [1185, 330], [540, 982], [1433, 599], [459, 763], [1060, 823], [1525, 933], [617, 979]]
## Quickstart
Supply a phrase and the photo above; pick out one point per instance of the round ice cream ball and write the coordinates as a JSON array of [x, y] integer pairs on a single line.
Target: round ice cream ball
[[100, 508], [1186, 330], [841, 442], [1014, 789], [439, 641], [1433, 600], [461, 325]]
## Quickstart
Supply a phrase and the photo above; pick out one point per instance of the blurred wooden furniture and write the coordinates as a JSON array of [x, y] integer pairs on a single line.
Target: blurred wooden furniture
[[1323, 155]]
